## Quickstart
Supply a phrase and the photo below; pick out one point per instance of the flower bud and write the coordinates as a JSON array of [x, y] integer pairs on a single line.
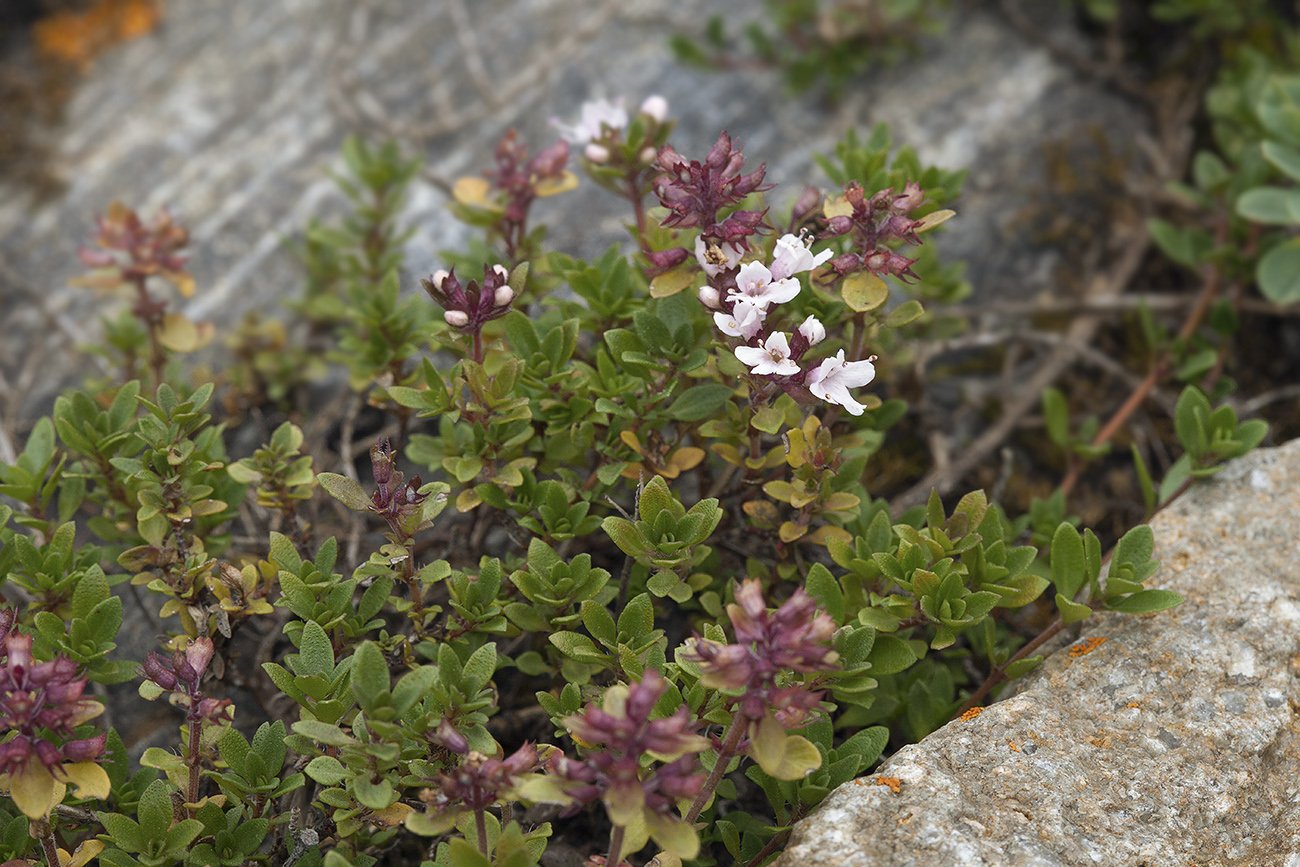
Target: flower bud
[[439, 277], [655, 107], [813, 331], [85, 749], [199, 653], [456, 318], [710, 297], [159, 672], [503, 296], [596, 153]]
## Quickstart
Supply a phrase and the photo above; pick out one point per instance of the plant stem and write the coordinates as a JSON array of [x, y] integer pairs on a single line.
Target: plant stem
[[192, 755], [726, 752], [480, 828], [51, 849], [615, 847]]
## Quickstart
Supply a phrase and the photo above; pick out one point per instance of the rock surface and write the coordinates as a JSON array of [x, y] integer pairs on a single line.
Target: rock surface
[[1174, 741], [232, 114]]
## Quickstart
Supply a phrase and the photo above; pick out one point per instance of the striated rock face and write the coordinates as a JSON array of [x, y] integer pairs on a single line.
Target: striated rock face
[[1172, 741]]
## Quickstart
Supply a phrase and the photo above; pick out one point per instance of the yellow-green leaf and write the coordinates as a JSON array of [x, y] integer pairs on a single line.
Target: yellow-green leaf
[[672, 281], [864, 291], [554, 186], [938, 218], [90, 779], [179, 334]]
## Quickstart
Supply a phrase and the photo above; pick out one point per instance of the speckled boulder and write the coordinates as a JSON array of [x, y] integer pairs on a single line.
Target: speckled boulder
[[1149, 741]]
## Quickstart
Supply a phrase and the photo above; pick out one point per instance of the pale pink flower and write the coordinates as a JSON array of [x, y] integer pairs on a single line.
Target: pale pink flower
[[756, 285], [715, 258], [794, 257], [833, 378], [595, 117], [655, 107], [813, 331], [743, 321], [772, 359]]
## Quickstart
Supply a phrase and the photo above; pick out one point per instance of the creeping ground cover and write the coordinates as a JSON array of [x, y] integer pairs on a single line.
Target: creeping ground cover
[[605, 557]]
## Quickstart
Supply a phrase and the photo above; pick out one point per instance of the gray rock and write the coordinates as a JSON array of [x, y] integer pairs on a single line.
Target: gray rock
[[1173, 742], [233, 113]]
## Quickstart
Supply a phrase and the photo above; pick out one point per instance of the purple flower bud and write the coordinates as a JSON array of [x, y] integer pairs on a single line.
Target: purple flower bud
[[85, 749], [448, 737], [156, 670], [550, 161]]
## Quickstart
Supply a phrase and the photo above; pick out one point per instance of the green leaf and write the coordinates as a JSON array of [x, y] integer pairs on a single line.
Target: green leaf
[[904, 313], [369, 675], [826, 590], [1272, 206], [316, 654], [1068, 565], [1145, 601], [1023, 666], [326, 770], [323, 733], [890, 655], [1284, 157], [1180, 245], [637, 618], [700, 401], [578, 647], [1072, 612], [345, 490], [600, 623], [1057, 415], [1278, 273]]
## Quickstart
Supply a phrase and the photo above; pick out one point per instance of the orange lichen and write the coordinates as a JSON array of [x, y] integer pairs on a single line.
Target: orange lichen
[[971, 714], [1013, 746], [894, 783], [1088, 645], [77, 38], [1131, 704]]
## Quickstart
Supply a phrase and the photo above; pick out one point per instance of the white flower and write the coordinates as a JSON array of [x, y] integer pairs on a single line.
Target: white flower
[[793, 257], [744, 320], [813, 331], [773, 358], [756, 286], [834, 377], [714, 257], [594, 117], [656, 107]]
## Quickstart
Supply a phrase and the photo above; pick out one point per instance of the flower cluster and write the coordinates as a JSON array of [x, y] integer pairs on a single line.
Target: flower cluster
[[695, 192], [479, 781], [182, 676], [398, 502], [871, 222], [38, 700], [617, 734], [602, 127], [132, 250], [501, 198], [468, 307], [742, 294], [794, 638]]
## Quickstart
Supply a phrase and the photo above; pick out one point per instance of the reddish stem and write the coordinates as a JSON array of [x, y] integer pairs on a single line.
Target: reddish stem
[[726, 752]]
